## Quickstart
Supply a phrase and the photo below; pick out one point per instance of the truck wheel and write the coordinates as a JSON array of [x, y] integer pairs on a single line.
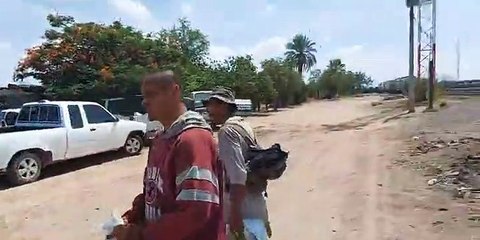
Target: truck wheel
[[24, 168], [133, 145]]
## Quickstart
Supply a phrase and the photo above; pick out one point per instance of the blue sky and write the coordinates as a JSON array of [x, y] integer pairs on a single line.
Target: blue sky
[[369, 35]]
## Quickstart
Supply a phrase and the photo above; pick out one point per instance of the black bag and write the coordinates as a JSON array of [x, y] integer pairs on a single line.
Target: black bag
[[269, 163]]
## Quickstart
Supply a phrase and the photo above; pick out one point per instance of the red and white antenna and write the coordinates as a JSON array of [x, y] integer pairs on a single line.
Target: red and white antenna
[[427, 24]]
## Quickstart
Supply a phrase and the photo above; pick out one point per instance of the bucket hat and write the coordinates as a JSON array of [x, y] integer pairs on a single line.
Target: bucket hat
[[222, 94]]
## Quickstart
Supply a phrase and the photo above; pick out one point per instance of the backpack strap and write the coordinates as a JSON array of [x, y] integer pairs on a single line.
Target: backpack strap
[[251, 141]]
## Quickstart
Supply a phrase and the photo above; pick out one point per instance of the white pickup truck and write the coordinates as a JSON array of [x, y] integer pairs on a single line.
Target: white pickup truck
[[47, 132]]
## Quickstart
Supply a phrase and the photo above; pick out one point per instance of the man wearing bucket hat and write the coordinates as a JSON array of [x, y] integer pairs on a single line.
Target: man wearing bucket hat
[[244, 198]]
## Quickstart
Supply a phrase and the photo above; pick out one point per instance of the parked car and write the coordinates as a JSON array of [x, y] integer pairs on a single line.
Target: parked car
[[131, 108], [47, 132], [245, 106], [8, 117], [152, 126]]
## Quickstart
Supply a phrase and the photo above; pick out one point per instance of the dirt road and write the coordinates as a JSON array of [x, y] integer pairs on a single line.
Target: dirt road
[[340, 184]]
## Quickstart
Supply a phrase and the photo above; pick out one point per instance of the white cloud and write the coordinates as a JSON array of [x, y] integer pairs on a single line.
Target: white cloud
[[221, 52], [68, 1], [381, 62], [270, 8], [5, 45], [264, 49], [271, 47], [326, 39], [135, 11], [186, 8]]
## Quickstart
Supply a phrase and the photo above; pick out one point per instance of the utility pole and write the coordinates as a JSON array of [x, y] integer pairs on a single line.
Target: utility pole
[[432, 64], [411, 78], [457, 46], [427, 14]]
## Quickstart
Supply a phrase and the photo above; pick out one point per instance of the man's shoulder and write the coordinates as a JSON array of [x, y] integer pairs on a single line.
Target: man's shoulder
[[194, 135], [229, 130]]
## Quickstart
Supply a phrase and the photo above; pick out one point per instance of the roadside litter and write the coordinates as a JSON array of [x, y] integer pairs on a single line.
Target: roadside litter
[[461, 176], [463, 179], [434, 145]]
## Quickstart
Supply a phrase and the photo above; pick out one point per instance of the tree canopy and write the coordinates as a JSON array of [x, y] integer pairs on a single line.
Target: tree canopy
[[301, 51], [93, 61]]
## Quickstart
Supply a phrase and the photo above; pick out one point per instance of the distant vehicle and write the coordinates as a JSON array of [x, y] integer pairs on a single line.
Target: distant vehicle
[[8, 117], [47, 132], [245, 106], [131, 108]]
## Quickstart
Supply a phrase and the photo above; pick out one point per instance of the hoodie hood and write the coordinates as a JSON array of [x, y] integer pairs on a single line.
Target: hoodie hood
[[186, 121]]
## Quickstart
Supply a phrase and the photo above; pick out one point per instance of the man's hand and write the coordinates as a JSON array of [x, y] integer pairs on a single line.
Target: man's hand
[[127, 232], [136, 215], [236, 223], [239, 235]]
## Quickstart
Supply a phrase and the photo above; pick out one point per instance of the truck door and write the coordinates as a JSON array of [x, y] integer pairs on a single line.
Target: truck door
[[102, 126], [79, 140]]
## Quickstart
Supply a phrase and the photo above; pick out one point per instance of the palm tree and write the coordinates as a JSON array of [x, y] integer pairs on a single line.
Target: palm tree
[[301, 51], [336, 65]]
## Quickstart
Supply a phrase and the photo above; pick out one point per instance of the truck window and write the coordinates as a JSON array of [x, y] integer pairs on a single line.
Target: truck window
[[10, 118], [34, 113], [75, 117], [96, 114], [199, 97], [24, 114], [40, 114], [48, 114]]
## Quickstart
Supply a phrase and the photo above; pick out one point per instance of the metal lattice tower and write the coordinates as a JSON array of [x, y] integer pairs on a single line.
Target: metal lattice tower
[[426, 18]]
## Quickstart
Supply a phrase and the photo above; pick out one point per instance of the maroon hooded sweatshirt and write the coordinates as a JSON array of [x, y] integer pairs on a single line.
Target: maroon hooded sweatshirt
[[183, 184]]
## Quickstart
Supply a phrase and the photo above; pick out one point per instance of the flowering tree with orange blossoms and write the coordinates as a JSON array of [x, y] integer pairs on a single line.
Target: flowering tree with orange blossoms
[[90, 61]]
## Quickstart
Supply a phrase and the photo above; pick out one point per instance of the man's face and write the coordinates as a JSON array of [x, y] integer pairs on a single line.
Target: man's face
[[160, 100], [217, 110]]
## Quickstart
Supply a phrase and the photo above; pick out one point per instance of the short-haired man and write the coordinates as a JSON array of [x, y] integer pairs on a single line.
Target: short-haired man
[[244, 197], [182, 193]]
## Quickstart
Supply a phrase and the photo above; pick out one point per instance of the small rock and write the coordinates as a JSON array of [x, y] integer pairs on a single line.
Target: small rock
[[97, 208], [474, 195], [442, 209], [438, 146], [453, 144], [452, 173], [379, 184], [432, 182], [415, 138], [475, 218], [334, 231], [437, 223], [466, 195], [473, 157], [411, 226]]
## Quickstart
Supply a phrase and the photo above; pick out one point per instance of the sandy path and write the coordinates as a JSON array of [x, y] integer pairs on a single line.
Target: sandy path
[[339, 185]]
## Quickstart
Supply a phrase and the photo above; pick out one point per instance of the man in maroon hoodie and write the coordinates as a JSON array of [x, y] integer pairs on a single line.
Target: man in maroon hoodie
[[182, 193]]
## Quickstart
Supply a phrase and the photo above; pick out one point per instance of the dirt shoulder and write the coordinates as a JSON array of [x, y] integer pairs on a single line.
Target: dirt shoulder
[[444, 148]]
